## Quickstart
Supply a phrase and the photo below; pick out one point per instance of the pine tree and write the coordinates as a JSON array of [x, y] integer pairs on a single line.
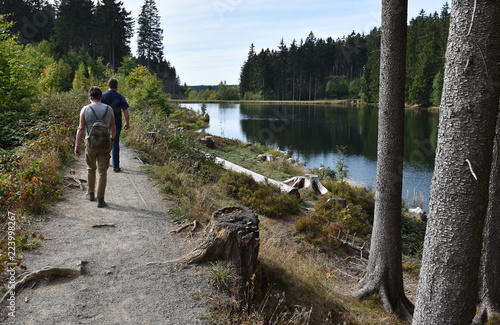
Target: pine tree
[[150, 38], [115, 25], [73, 25]]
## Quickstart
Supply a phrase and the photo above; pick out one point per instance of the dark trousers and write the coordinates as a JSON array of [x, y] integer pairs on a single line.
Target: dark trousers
[[115, 149]]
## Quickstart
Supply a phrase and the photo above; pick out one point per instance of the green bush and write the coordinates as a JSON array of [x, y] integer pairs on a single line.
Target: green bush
[[264, 199], [356, 195], [17, 71], [144, 88], [322, 226], [412, 233]]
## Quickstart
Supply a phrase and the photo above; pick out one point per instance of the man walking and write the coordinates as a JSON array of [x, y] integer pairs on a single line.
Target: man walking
[[97, 157], [116, 100]]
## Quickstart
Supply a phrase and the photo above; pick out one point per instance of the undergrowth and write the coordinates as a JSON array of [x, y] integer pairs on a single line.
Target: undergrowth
[[30, 170], [264, 199]]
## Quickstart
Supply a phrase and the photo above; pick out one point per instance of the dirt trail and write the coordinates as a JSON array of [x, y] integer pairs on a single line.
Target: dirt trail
[[119, 288]]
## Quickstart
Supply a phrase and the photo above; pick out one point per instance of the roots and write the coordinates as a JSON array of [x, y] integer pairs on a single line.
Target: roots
[[394, 302], [42, 273]]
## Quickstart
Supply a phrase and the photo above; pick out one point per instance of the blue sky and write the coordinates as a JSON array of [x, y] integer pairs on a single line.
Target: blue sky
[[208, 41]]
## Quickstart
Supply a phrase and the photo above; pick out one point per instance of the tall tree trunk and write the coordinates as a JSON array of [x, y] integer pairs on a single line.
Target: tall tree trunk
[[384, 274], [489, 282], [448, 283]]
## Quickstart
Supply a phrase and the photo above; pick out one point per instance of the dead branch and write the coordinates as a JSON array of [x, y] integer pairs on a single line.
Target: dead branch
[[76, 180], [184, 226], [351, 243], [102, 225], [42, 273], [307, 181]]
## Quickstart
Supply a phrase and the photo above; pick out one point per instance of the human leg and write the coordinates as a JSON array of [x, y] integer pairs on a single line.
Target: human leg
[[115, 154], [90, 157], [102, 169]]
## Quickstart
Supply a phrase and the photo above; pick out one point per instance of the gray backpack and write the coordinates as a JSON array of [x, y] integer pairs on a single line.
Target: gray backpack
[[99, 133]]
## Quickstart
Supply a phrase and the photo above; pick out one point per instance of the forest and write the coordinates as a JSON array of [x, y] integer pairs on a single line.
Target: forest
[[84, 38], [348, 67], [309, 69]]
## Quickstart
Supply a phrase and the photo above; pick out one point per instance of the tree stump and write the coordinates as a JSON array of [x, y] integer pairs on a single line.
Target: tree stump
[[233, 236], [210, 142], [307, 181], [151, 136]]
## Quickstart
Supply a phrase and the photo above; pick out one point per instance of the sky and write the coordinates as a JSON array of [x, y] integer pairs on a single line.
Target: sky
[[208, 41]]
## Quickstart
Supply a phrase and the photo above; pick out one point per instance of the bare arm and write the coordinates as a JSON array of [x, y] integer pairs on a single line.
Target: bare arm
[[79, 133], [112, 125]]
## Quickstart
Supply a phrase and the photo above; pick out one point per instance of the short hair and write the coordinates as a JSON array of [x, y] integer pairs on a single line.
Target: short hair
[[95, 92], [113, 83]]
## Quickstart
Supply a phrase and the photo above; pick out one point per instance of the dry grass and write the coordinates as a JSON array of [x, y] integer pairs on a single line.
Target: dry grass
[[311, 279]]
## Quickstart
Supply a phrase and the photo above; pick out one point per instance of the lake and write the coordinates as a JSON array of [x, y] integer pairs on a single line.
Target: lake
[[313, 132]]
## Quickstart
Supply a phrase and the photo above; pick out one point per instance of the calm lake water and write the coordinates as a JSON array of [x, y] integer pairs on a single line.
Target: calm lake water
[[313, 132]]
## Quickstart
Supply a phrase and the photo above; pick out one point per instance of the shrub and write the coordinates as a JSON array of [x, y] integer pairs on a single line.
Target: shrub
[[322, 226], [356, 195], [17, 70], [264, 199], [412, 233], [144, 87], [30, 172]]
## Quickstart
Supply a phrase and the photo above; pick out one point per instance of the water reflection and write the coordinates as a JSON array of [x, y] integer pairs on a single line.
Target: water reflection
[[313, 132]]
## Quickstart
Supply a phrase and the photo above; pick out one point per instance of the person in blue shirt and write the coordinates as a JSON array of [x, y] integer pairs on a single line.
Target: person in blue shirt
[[116, 100]]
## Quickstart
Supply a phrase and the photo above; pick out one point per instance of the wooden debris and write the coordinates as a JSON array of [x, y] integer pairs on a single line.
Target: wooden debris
[[103, 225], [42, 273], [353, 244], [227, 165], [233, 236], [210, 142], [265, 157], [307, 181], [184, 226], [77, 182]]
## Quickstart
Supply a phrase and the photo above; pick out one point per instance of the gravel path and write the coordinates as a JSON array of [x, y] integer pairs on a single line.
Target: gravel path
[[119, 288]]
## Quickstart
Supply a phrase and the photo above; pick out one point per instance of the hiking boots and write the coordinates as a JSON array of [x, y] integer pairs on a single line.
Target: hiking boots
[[90, 196], [100, 202]]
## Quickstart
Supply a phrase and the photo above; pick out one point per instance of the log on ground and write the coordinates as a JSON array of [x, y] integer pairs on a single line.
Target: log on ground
[[284, 188]]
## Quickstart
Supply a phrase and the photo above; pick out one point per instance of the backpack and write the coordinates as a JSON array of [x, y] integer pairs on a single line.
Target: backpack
[[99, 133]]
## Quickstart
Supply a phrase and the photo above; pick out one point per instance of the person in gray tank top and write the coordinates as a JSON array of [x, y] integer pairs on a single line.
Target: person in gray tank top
[[97, 159]]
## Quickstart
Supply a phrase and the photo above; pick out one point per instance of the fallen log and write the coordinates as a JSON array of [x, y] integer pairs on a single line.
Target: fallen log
[[227, 165], [307, 181], [233, 236]]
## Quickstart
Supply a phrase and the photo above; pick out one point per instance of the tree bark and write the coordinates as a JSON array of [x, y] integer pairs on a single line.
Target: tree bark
[[489, 282], [448, 283], [384, 274]]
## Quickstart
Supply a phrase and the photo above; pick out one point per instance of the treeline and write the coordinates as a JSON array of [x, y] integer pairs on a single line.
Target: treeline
[[81, 31], [349, 67]]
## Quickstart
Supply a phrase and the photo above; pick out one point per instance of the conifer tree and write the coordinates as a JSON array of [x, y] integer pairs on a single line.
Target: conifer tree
[[115, 25], [73, 25], [150, 37]]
